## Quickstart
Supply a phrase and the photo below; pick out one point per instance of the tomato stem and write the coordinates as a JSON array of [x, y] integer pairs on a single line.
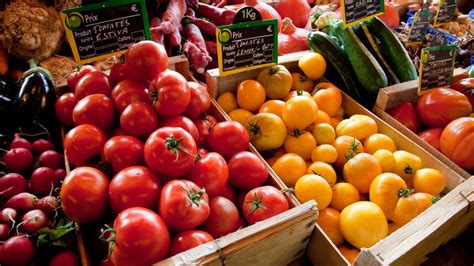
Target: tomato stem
[[435, 199], [110, 239], [174, 145], [408, 170], [352, 150], [272, 70], [194, 196], [405, 192], [256, 204], [254, 129]]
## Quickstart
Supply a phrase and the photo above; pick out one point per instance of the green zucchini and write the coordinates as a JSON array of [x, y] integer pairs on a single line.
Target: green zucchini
[[364, 35], [393, 50], [338, 69]]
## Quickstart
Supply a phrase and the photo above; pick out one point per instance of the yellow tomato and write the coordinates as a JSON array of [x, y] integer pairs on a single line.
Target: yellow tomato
[[379, 141], [424, 200], [301, 82], [324, 153], [328, 97], [363, 224], [250, 95], [227, 101], [300, 143], [343, 195], [290, 167], [293, 94], [267, 131], [324, 170], [299, 112], [273, 106], [347, 147], [406, 165], [429, 180], [313, 187], [328, 220], [276, 80], [340, 113], [313, 65], [240, 115], [357, 126], [322, 117], [386, 159], [361, 170], [324, 133], [392, 227], [349, 253]]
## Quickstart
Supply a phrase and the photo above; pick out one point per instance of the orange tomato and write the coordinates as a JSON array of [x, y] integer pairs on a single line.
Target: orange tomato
[[240, 115], [379, 141], [361, 170], [349, 253], [301, 143], [324, 133], [328, 97], [335, 121], [347, 147], [424, 200], [313, 65], [290, 167], [273, 106], [293, 94], [250, 95], [340, 113], [429, 180], [301, 82], [328, 220], [324, 170], [299, 112], [267, 131], [322, 117], [313, 187], [406, 165], [343, 194], [324, 153], [275, 155], [227, 101]]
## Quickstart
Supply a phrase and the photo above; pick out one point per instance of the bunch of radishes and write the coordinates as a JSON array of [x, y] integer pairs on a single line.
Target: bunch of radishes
[[27, 196]]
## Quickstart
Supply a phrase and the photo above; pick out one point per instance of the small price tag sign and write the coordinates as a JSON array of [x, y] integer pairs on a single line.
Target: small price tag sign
[[246, 46], [446, 11], [355, 11], [101, 30], [419, 27], [436, 67]]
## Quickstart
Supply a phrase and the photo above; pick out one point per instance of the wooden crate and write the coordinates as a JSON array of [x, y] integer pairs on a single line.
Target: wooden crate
[[427, 231], [391, 96]]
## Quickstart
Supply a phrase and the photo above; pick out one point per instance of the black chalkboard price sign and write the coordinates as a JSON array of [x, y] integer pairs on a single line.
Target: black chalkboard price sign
[[355, 11], [436, 67], [446, 11], [419, 27], [246, 46], [101, 30]]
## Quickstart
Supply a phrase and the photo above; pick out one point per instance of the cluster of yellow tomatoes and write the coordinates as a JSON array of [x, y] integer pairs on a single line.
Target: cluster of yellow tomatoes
[[358, 177]]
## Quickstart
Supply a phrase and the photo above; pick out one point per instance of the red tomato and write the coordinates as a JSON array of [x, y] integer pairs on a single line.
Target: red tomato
[[118, 73], [82, 143], [405, 114], [93, 83], [65, 258], [170, 93], [465, 86], [227, 192], [182, 122], [247, 171], [84, 194], [204, 126], [138, 119], [127, 92], [210, 172], [223, 219], [170, 151], [432, 136], [457, 142], [146, 60], [262, 203], [123, 151], [75, 76], [126, 85], [228, 138], [187, 240], [141, 238], [183, 205], [95, 109], [63, 107], [200, 101], [440, 106], [202, 151], [134, 186]]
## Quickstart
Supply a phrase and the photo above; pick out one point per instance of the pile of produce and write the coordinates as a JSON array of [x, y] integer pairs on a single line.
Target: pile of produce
[[155, 165], [365, 187], [441, 118]]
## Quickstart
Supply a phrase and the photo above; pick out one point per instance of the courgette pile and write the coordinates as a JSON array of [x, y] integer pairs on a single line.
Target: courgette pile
[[361, 59]]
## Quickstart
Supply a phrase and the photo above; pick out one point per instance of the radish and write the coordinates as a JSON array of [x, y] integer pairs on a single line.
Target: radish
[[17, 250], [42, 181], [18, 159], [59, 175], [33, 221], [22, 202], [42, 145], [65, 258], [12, 184], [4, 231], [8, 215], [51, 159], [19, 142], [47, 204]]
